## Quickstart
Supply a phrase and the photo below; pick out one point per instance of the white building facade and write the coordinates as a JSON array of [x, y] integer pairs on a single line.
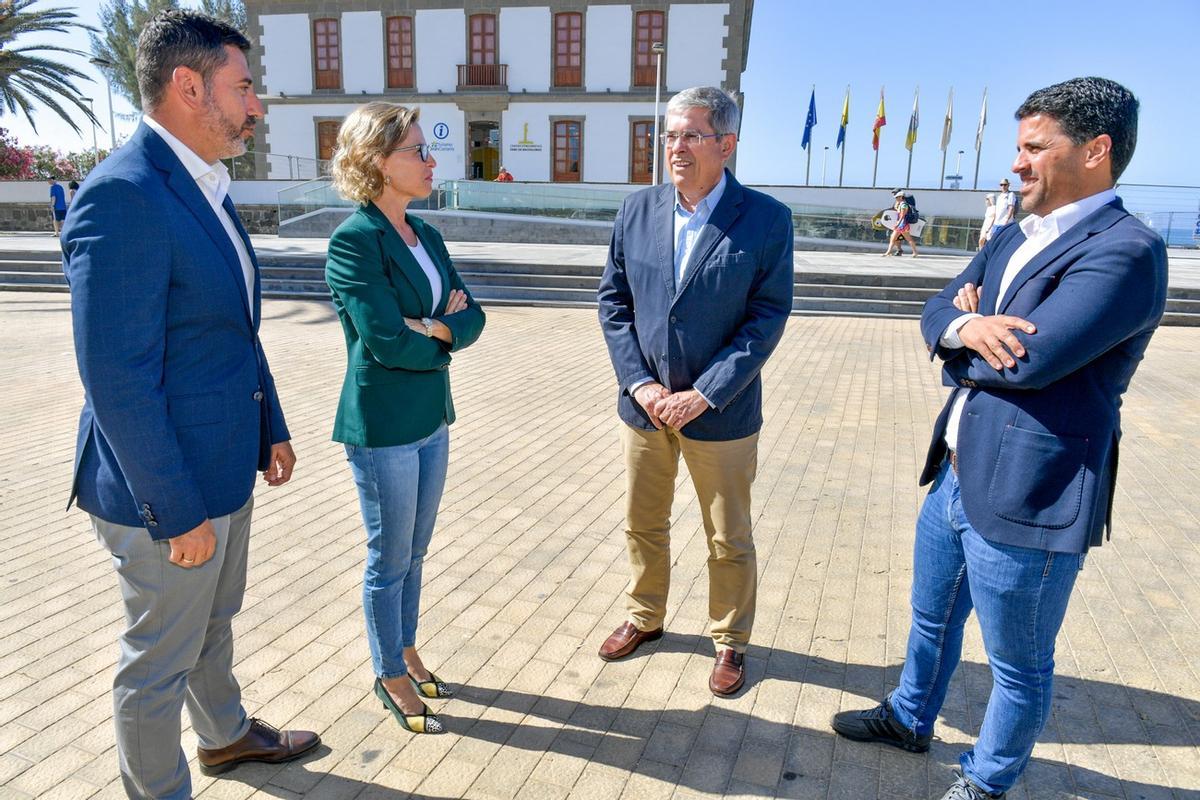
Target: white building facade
[[556, 90]]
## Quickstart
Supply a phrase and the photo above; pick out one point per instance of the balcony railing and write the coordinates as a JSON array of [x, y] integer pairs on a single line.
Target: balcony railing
[[482, 76]]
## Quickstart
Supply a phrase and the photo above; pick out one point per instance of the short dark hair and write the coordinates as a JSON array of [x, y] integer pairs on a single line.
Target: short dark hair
[[178, 38], [1087, 108]]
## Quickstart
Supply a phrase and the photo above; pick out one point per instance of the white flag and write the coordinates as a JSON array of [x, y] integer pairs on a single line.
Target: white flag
[[982, 122], [948, 125]]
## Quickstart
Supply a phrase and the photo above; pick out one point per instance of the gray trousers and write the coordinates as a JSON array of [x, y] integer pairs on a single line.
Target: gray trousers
[[177, 648]]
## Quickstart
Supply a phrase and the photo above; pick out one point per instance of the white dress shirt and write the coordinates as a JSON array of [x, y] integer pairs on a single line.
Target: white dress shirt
[[213, 180], [1039, 232]]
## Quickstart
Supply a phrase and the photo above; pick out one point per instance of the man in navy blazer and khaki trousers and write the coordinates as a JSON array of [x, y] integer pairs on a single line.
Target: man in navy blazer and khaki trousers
[[695, 295], [180, 408], [1040, 336]]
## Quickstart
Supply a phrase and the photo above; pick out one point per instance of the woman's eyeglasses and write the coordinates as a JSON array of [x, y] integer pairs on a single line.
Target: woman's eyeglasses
[[422, 150]]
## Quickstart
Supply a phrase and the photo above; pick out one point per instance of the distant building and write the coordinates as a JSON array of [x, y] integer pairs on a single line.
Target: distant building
[[557, 91]]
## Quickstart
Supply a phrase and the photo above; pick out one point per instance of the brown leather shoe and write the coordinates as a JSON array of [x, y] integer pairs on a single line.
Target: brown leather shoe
[[625, 639], [261, 743], [729, 672]]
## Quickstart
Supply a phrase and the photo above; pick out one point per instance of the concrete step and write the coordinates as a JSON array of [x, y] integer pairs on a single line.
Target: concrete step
[[859, 306], [858, 292], [516, 279]]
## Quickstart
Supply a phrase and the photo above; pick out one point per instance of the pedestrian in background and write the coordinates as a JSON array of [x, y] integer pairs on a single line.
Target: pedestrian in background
[[58, 205], [989, 219]]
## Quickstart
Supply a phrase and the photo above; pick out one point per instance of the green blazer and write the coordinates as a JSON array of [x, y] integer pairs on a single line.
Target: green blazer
[[397, 385]]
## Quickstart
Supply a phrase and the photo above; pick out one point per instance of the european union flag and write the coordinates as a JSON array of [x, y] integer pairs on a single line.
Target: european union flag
[[811, 120]]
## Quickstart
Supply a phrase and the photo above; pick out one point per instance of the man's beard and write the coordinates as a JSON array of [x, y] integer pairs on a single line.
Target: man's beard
[[229, 132]]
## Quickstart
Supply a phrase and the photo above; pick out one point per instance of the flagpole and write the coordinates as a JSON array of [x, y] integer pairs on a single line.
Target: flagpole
[[908, 176], [947, 128], [809, 121], [979, 139]]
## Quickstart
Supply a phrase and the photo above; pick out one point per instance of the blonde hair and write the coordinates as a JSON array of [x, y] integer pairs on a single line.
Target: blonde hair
[[367, 136]]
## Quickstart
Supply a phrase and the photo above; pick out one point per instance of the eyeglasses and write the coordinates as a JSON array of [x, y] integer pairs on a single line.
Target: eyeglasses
[[691, 138], [422, 150]]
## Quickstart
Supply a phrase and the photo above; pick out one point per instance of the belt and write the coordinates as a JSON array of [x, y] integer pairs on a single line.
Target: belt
[[954, 461]]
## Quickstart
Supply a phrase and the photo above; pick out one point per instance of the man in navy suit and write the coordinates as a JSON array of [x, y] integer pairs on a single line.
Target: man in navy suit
[[180, 408], [1040, 336], [695, 295]]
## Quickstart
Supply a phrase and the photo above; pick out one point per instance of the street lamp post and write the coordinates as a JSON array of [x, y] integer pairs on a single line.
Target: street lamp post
[[658, 49], [105, 65], [824, 158], [95, 147]]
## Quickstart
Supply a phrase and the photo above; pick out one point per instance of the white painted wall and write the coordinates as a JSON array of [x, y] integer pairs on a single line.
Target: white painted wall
[[605, 138], [525, 43], [293, 131], [445, 131], [695, 47], [608, 49], [441, 43], [362, 52], [287, 54]]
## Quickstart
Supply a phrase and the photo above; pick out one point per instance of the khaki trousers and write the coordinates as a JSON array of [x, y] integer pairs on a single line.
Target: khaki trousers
[[722, 473]]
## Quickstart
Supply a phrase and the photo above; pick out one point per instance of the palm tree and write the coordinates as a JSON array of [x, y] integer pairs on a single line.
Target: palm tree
[[28, 78]]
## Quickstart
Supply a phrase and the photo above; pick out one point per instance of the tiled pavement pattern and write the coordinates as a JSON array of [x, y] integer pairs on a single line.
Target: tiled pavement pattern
[[524, 581]]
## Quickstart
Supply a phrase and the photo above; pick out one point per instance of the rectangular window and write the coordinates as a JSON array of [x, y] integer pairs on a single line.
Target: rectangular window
[[483, 39], [327, 54], [327, 133], [399, 52], [568, 150], [648, 29], [641, 151], [568, 49]]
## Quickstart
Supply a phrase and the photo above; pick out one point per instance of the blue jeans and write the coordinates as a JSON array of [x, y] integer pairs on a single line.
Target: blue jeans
[[399, 489], [1020, 596]]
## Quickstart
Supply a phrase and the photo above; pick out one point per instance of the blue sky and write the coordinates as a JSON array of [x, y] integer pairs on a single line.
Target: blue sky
[[1012, 48]]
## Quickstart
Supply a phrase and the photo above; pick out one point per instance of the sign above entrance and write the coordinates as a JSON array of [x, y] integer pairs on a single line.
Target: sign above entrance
[[524, 145]]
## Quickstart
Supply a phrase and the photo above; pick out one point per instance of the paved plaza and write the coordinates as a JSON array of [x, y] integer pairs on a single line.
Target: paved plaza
[[526, 570]]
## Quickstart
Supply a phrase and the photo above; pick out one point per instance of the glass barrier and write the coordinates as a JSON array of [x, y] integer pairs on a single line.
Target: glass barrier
[[601, 204]]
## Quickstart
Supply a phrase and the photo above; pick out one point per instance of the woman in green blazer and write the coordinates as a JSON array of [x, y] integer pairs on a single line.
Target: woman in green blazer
[[403, 310]]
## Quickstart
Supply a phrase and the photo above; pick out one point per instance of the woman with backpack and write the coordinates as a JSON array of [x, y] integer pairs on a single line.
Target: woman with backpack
[[906, 214]]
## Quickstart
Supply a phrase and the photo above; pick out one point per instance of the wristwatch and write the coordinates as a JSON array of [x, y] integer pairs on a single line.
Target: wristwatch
[[428, 323]]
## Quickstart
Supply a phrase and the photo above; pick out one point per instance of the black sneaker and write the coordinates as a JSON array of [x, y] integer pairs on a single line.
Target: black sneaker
[[878, 725], [963, 789]]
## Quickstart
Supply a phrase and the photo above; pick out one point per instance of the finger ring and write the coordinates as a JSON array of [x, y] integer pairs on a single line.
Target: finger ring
[[188, 560]]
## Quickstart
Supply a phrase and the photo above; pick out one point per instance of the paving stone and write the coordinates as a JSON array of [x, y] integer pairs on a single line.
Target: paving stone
[[525, 575]]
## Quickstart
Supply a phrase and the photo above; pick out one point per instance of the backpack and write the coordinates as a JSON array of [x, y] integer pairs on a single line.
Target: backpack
[[911, 215]]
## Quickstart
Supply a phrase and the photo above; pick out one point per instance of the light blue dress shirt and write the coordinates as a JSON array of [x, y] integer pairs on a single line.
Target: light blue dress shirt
[[689, 223]]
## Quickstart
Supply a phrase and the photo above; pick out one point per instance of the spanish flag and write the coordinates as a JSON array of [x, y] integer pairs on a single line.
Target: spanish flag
[[880, 121]]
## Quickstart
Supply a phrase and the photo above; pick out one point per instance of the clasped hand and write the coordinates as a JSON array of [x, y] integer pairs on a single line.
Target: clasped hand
[[456, 302], [992, 336], [665, 407]]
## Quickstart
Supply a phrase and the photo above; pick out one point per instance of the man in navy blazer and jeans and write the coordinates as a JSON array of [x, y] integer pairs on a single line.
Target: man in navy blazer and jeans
[[180, 408], [1040, 336], [695, 295]]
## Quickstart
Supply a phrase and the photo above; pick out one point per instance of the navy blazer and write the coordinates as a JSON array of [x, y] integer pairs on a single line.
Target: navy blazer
[[713, 332], [1037, 443], [180, 408]]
